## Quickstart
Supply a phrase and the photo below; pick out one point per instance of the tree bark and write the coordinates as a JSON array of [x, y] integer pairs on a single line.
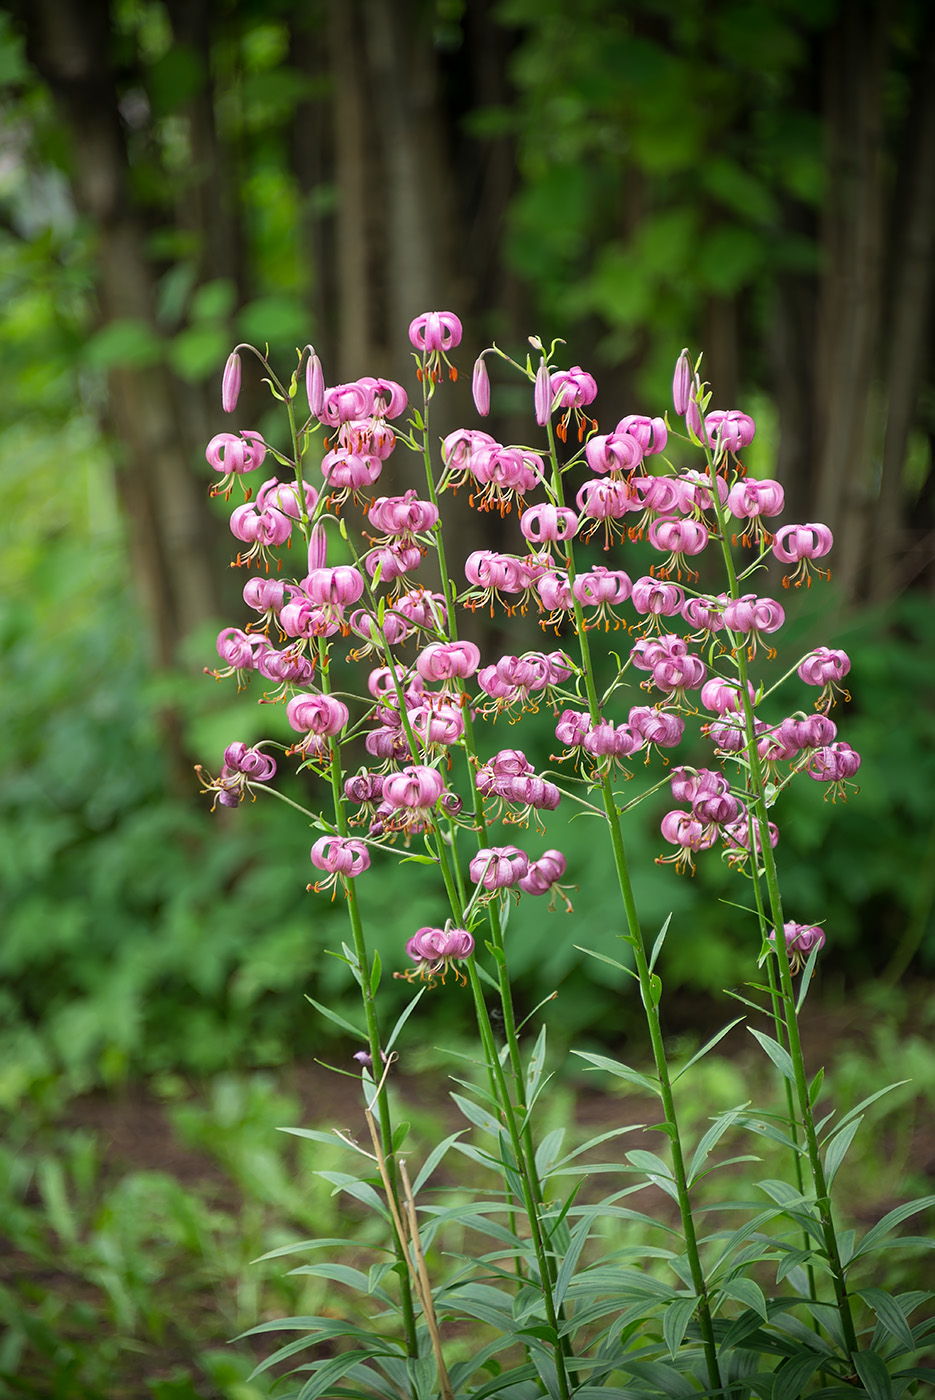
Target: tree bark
[[168, 519], [906, 347], [849, 294]]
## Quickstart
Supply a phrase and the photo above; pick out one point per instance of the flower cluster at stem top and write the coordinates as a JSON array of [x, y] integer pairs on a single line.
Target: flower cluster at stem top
[[687, 658]]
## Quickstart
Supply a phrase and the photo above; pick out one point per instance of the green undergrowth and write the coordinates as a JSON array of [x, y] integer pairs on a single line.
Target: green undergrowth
[[127, 1271]]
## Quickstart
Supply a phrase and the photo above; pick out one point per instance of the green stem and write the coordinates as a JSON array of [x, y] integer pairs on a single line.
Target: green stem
[[648, 990], [787, 992], [373, 1026], [470, 748], [779, 1025]]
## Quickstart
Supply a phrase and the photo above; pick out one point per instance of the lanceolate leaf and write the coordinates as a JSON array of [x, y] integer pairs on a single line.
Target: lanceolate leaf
[[404, 1017], [864, 1103], [793, 1375], [478, 1116], [837, 1148], [776, 1052], [675, 1321], [872, 1371], [657, 945], [620, 1071], [890, 1314], [338, 1020], [432, 1161], [709, 1045], [872, 1238], [711, 1138]]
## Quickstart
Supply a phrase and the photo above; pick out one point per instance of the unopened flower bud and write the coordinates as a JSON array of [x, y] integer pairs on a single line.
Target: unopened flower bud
[[230, 384], [542, 395], [314, 384], [480, 387]]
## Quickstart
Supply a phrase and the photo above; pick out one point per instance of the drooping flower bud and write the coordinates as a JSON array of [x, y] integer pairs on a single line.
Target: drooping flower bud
[[230, 384], [682, 384], [542, 395], [314, 384], [480, 387]]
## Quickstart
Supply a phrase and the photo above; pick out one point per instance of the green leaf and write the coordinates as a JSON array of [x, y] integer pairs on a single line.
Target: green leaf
[[375, 973], [709, 1045], [873, 1373], [361, 1191], [675, 1321], [793, 1259], [327, 1372], [299, 1246], [536, 1065], [596, 1142], [815, 1087], [602, 957], [883, 1227], [871, 1098], [806, 978], [655, 1168], [400, 1133], [478, 1116], [657, 945], [779, 1056], [711, 1138], [763, 1128], [662, 1379], [620, 1071], [404, 1017], [344, 1274], [747, 1293], [890, 1314], [547, 1151], [432, 1161], [837, 1148], [793, 1375], [579, 1236], [338, 1020]]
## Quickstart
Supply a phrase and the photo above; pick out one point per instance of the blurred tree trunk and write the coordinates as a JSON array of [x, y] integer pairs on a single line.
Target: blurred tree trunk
[[906, 346], [850, 288], [314, 163], [69, 43]]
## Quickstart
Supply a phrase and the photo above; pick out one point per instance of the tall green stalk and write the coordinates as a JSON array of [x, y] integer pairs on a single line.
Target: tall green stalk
[[649, 991], [771, 875]]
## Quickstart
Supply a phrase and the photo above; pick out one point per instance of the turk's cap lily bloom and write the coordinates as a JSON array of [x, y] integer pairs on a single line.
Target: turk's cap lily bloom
[[436, 950], [339, 855], [801, 940], [498, 867], [435, 332]]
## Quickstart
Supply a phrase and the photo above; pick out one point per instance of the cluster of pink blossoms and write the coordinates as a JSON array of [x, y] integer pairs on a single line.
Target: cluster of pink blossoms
[[415, 712]]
